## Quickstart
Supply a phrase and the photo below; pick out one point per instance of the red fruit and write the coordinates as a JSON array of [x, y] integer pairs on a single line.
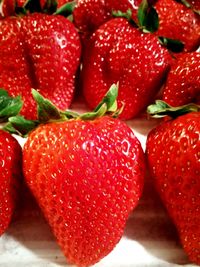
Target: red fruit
[[183, 82], [87, 176], [118, 52], [10, 169], [62, 2], [90, 14], [173, 151], [195, 4], [7, 8], [42, 52], [176, 21]]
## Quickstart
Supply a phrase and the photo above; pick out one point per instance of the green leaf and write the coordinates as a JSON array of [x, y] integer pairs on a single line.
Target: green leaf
[[142, 13], [110, 99], [127, 15], [161, 109], [50, 6], [9, 106], [173, 45], [107, 105], [19, 125], [119, 14], [66, 10], [32, 6], [147, 17], [45, 108]]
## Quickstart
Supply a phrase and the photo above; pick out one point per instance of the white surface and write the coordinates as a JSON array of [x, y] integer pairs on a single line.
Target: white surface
[[150, 238]]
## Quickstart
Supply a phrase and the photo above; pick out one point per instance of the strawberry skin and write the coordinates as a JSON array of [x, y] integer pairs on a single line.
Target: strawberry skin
[[7, 8], [173, 152], [87, 176], [90, 14], [45, 56], [183, 82], [118, 52], [176, 21], [11, 174]]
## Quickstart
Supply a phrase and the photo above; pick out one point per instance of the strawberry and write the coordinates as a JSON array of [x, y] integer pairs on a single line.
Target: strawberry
[[7, 8], [118, 52], [10, 169], [87, 175], [195, 4], [173, 152], [183, 82], [15, 7], [179, 22], [90, 14], [45, 56]]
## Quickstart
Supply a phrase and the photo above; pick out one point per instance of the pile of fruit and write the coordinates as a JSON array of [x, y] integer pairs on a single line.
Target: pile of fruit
[[87, 171]]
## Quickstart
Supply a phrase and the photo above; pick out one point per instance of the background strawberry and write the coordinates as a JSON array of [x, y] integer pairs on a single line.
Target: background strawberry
[[45, 55], [183, 82], [176, 21], [90, 14], [118, 52], [7, 7], [87, 176], [173, 152], [11, 172]]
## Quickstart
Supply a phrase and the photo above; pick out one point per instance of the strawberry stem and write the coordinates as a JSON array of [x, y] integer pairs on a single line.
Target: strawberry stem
[[161, 109]]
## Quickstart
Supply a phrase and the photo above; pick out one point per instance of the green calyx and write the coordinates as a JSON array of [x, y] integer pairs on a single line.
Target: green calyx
[[47, 112], [9, 106], [161, 109], [50, 7], [147, 17], [148, 22]]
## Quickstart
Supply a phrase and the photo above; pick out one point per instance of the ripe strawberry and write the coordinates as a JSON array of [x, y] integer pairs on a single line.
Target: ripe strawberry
[[7, 8], [183, 82], [90, 14], [10, 169], [173, 152], [119, 52], [87, 176], [42, 52], [176, 21], [195, 4]]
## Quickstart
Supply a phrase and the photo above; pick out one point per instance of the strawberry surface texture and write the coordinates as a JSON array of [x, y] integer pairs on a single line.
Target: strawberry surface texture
[[90, 14], [87, 177], [176, 21], [173, 151], [183, 82], [42, 52], [118, 52], [10, 178]]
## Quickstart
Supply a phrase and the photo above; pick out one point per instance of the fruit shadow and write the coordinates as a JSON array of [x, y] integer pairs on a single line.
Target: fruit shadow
[[31, 231], [150, 226]]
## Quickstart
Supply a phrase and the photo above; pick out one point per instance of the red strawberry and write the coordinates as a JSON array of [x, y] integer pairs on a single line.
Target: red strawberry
[[176, 21], [183, 82], [42, 52], [173, 152], [87, 176], [7, 7], [90, 14], [10, 169], [195, 4], [119, 52]]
